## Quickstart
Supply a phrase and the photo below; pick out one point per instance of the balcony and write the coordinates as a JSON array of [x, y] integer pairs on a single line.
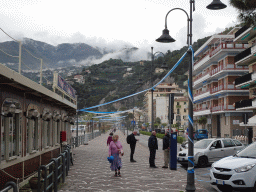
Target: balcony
[[222, 108], [222, 88], [202, 77], [224, 46], [228, 67], [201, 94], [202, 111]]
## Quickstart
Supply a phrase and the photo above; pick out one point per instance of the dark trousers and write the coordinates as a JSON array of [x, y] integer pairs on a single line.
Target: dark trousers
[[132, 151], [152, 157]]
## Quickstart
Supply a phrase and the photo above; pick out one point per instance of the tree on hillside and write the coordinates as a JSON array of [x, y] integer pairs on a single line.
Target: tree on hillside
[[247, 11]]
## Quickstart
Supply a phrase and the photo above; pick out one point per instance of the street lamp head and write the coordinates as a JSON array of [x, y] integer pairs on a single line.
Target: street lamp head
[[164, 66], [216, 5], [165, 37]]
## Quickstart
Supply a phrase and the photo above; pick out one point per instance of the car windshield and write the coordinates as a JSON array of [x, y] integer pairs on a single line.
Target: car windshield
[[203, 144], [248, 152], [202, 131]]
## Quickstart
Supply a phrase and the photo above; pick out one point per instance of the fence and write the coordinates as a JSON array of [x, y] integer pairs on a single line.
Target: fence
[[10, 185], [83, 139], [54, 172]]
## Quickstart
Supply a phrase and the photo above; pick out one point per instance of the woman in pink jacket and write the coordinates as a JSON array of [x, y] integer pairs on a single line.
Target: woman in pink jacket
[[115, 147]]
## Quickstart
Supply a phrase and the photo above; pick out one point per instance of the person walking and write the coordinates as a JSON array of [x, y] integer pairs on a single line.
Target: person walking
[[116, 148], [109, 138], [166, 148], [131, 140], [153, 146]]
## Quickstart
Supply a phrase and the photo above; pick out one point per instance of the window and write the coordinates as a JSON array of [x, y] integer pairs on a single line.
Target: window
[[237, 143], [217, 144], [178, 118], [185, 103], [32, 131], [228, 143], [178, 111], [178, 103], [11, 130], [185, 110]]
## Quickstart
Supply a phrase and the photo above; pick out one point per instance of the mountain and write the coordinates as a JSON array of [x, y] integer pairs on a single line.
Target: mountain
[[55, 56]]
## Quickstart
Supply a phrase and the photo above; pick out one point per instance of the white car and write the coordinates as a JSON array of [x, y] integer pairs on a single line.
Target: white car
[[210, 150], [236, 172]]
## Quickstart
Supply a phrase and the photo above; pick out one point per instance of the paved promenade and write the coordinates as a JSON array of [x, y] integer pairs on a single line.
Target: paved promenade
[[91, 170]]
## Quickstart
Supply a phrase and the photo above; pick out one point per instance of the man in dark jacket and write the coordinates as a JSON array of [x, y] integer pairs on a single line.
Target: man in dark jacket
[[166, 148], [153, 146], [132, 141]]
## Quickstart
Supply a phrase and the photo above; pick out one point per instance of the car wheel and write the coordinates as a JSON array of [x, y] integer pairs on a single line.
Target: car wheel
[[202, 161], [224, 188]]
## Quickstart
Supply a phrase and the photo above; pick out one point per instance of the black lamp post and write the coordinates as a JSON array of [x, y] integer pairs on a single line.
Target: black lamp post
[[164, 66], [166, 38]]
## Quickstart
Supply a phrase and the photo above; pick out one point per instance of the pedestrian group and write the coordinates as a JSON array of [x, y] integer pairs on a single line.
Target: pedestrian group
[[116, 150]]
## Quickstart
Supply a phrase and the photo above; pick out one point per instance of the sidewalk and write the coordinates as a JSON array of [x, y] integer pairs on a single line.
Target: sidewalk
[[91, 170]]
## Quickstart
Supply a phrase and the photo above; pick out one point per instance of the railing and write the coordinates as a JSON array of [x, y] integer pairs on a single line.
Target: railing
[[240, 31], [222, 87], [202, 75], [54, 172], [201, 58], [222, 108], [201, 92], [10, 185], [226, 46], [83, 139], [201, 109], [243, 54]]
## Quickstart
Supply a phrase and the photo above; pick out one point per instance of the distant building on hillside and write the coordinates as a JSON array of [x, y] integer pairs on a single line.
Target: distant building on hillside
[[79, 79]]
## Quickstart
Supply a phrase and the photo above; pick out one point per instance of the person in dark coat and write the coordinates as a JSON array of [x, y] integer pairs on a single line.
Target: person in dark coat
[[153, 146], [133, 141], [166, 148]]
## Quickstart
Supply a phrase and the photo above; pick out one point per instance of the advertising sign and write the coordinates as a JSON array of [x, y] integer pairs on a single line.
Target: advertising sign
[[62, 84], [235, 122]]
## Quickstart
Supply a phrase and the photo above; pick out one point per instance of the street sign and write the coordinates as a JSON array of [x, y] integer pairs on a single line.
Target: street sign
[[132, 122]]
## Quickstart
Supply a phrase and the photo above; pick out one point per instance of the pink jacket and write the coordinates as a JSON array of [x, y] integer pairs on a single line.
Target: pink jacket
[[112, 147], [109, 140]]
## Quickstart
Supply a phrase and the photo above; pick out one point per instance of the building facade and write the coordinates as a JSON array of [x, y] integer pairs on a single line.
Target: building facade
[[214, 73], [32, 118], [160, 101], [247, 58]]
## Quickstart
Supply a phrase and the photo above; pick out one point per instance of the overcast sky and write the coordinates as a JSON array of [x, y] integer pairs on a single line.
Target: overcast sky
[[110, 23]]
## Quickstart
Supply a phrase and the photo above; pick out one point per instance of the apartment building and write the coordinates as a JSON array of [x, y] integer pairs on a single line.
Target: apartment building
[[181, 111], [247, 58], [214, 73], [160, 101]]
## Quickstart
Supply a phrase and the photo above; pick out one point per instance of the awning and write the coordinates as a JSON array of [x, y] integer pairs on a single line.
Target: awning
[[251, 122]]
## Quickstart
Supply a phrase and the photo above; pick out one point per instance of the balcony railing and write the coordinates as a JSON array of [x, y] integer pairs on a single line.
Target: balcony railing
[[226, 46], [201, 109], [201, 92], [243, 54], [243, 79], [201, 75], [222, 87], [201, 58], [222, 108], [243, 103], [240, 31]]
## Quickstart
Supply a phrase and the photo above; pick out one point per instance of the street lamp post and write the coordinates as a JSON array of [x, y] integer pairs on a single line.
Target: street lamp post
[[152, 90], [166, 38]]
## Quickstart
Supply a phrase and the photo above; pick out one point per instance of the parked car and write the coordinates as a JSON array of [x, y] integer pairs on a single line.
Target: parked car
[[210, 150], [236, 172], [201, 134]]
